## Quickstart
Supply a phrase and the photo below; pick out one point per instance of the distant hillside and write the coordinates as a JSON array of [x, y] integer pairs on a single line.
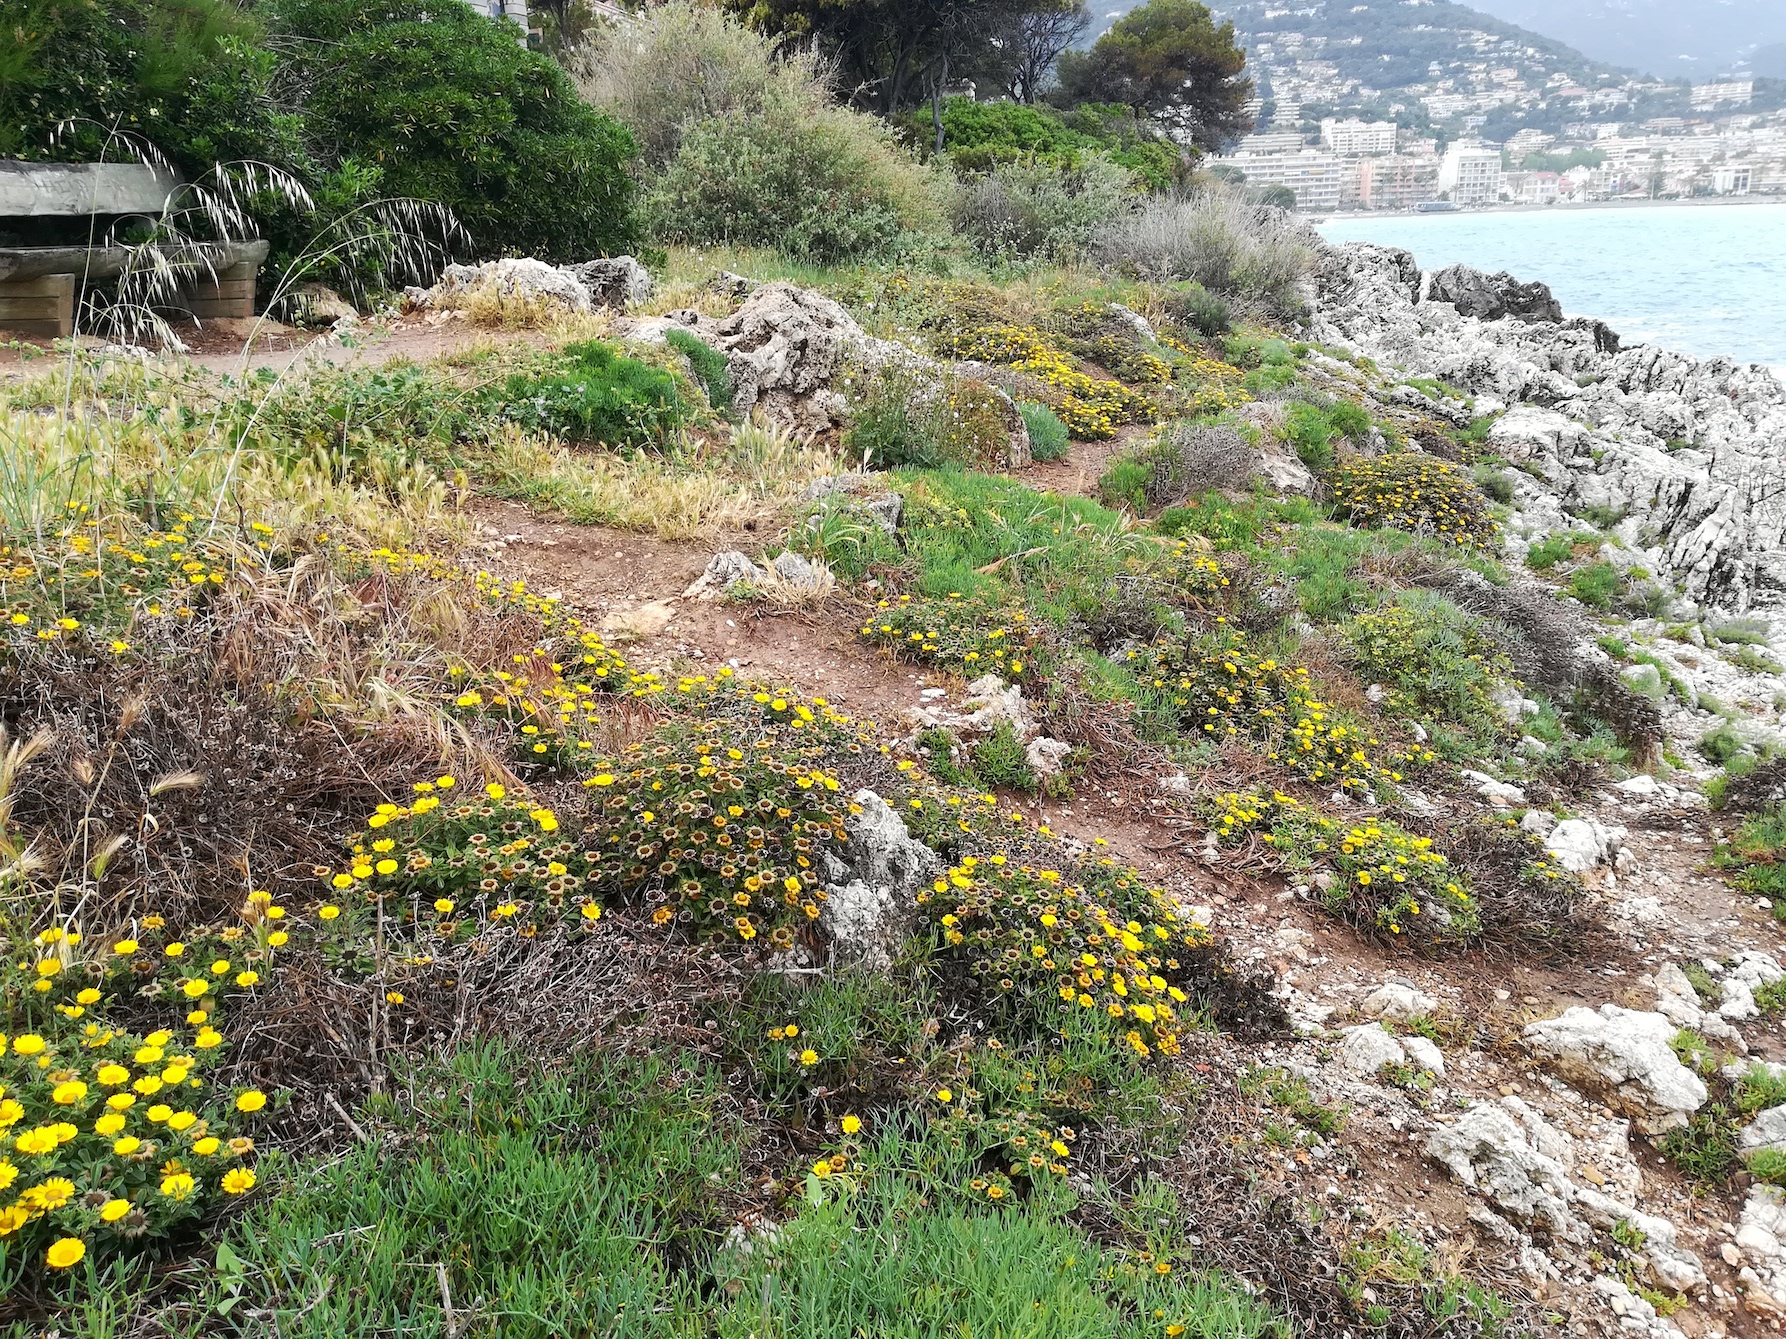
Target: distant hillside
[[1669, 38], [1390, 44]]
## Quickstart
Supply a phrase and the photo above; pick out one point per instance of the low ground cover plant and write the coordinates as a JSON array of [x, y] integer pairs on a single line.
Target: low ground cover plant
[[1409, 491]]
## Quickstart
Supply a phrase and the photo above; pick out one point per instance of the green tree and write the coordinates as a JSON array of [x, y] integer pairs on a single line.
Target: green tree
[[1168, 60], [190, 77], [449, 108]]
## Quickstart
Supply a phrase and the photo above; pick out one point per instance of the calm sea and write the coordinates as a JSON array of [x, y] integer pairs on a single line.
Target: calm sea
[[1703, 279]]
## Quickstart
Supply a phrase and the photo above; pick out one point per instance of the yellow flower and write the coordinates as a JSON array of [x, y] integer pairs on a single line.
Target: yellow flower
[[112, 1210], [852, 1124], [66, 1094], [444, 905], [28, 1043], [238, 1181], [944, 1095], [252, 1100], [127, 1145], [821, 1168], [125, 947], [109, 1124], [207, 1038], [178, 1186], [66, 1253], [195, 987], [247, 978], [809, 1057], [393, 997], [207, 1146], [330, 912]]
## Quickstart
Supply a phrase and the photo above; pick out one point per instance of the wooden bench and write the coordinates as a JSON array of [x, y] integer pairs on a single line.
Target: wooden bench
[[40, 285]]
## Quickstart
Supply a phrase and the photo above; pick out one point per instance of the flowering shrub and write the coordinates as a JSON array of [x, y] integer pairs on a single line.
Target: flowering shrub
[[1228, 690], [448, 863], [1409, 491], [113, 1138], [717, 833], [1094, 940], [1379, 876], [1091, 408], [1198, 579], [1025, 1146], [105, 572], [550, 714], [904, 415], [965, 636]]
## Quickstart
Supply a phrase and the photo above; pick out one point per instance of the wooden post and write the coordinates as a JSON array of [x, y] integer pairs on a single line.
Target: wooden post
[[230, 295], [42, 307]]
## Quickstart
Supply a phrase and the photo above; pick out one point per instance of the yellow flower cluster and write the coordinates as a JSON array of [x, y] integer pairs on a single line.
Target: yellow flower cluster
[[1091, 408], [718, 831], [1210, 386], [1197, 578], [1107, 946], [1026, 1146], [102, 574], [1228, 690], [111, 1136], [956, 634], [1381, 877], [549, 705], [457, 860], [1414, 492]]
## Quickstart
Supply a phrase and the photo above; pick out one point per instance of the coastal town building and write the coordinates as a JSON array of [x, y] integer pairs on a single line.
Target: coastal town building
[[1397, 181], [1314, 176], [1470, 174], [1357, 139]]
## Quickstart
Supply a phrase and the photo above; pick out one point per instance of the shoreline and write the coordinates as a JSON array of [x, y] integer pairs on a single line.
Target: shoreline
[[1702, 202]]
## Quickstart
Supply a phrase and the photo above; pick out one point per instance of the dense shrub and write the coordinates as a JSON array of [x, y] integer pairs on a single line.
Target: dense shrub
[[679, 64], [596, 396], [1435, 659], [1182, 459], [1039, 210], [904, 415], [191, 76], [799, 174], [1048, 439], [978, 136], [1195, 306], [445, 106], [1217, 239], [1409, 491]]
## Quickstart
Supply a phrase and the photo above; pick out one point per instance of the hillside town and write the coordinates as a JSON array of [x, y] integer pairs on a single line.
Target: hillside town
[[1497, 117]]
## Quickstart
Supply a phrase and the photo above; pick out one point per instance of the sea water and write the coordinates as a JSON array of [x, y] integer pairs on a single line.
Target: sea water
[[1708, 280]]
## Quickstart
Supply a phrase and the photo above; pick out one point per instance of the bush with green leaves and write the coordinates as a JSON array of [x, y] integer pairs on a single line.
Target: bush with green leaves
[[814, 180], [1438, 661], [1414, 492], [596, 394], [448, 107], [1048, 439], [982, 136], [1039, 210]]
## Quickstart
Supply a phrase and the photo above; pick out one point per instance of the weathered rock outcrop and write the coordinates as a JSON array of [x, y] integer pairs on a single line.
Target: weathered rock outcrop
[[872, 887], [1624, 1055], [1488, 297], [525, 280], [1688, 452], [617, 282]]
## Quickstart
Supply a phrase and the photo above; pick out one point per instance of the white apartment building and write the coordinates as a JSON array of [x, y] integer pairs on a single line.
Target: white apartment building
[[1732, 180], [1471, 174], [1314, 176], [1397, 181], [1727, 93], [1358, 139]]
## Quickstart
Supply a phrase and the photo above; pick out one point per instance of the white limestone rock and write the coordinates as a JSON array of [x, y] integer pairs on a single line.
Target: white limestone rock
[[872, 886], [1397, 1003], [1623, 1055], [1579, 844], [1365, 1050]]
